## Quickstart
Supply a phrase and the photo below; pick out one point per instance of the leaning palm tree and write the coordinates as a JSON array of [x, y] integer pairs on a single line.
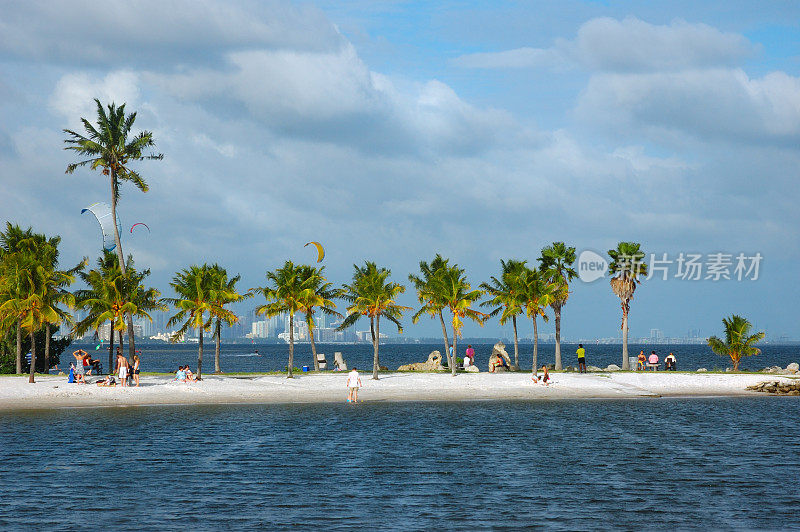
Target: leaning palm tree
[[459, 297], [222, 292], [110, 146], [538, 294], [431, 302], [371, 294], [194, 305], [557, 262], [320, 296], [506, 297], [738, 341], [286, 290], [626, 267]]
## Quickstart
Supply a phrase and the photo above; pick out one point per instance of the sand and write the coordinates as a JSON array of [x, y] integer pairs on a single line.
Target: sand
[[54, 392]]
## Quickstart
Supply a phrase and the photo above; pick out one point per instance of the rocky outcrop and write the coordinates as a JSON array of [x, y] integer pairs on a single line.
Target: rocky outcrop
[[472, 369], [777, 387], [794, 367], [434, 363], [593, 369], [702, 370], [496, 358], [612, 367]]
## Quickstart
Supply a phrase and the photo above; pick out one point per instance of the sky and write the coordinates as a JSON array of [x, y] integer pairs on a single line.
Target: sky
[[392, 131]]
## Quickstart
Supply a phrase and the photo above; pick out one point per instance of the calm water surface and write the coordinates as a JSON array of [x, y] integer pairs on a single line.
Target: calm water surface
[[654, 464]]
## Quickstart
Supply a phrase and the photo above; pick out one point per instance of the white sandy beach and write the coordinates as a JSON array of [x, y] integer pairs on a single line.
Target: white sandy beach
[[55, 392]]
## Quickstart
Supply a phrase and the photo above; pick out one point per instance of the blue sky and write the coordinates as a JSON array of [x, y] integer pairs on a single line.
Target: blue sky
[[391, 131]]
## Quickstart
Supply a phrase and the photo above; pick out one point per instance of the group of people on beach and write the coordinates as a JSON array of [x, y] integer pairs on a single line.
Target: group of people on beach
[[84, 364], [184, 374], [644, 362]]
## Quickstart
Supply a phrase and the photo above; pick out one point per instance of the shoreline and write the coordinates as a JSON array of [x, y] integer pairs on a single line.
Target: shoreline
[[53, 392]]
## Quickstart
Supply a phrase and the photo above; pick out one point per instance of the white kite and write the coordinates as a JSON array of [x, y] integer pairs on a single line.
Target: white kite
[[102, 211]]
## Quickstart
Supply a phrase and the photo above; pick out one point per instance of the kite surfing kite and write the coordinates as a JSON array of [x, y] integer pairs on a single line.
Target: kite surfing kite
[[102, 212], [320, 250], [139, 223]]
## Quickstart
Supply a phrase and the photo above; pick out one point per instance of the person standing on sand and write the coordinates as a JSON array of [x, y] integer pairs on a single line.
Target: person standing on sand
[[80, 370], [122, 368], [353, 383], [581, 352], [136, 369]]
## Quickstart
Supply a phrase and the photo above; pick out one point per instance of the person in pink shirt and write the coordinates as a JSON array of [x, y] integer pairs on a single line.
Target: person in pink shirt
[[471, 355], [653, 359]]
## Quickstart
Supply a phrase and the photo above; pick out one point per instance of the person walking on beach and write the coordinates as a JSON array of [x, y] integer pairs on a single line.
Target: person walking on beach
[[581, 352], [353, 383]]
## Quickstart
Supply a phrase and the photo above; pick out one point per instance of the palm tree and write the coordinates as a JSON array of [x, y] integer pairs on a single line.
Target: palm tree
[[371, 294], [459, 297], [506, 297], [538, 294], [222, 292], [108, 146], [286, 291], [626, 267], [194, 303], [320, 295], [431, 302], [738, 341], [556, 262]]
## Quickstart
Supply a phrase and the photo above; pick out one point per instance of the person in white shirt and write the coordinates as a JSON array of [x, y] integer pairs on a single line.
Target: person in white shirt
[[353, 383]]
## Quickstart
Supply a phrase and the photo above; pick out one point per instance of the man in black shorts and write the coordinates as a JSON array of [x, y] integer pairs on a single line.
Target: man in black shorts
[[581, 352]]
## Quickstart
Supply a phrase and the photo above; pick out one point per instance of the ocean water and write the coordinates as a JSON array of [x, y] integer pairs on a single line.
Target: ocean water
[[163, 357], [562, 465]]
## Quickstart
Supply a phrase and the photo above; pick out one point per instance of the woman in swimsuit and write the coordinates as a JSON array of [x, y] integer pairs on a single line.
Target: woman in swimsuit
[[136, 369]]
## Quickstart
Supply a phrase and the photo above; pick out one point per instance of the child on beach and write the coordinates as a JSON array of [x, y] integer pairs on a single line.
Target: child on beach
[[353, 383]]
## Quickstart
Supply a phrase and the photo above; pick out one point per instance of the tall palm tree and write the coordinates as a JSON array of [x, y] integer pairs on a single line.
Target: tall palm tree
[[431, 302], [626, 268], [371, 294], [459, 298], [320, 296], [538, 294], [738, 341], [557, 262], [193, 304], [222, 293], [110, 146], [506, 297], [286, 291]]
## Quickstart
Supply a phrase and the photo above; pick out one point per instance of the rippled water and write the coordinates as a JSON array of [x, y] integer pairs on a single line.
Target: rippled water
[[273, 357], [665, 464]]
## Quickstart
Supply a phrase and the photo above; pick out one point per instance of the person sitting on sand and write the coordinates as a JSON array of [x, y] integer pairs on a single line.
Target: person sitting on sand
[[670, 363], [190, 377], [653, 359], [94, 363], [641, 361], [180, 375], [108, 381]]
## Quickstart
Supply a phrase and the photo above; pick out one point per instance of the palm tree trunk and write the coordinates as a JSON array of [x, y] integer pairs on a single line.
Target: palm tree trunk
[[216, 347], [19, 346], [33, 358], [121, 345], [47, 349], [376, 342], [557, 313], [111, 348], [121, 256], [200, 354], [446, 342], [313, 345], [291, 346], [625, 365], [454, 362], [535, 345], [516, 342]]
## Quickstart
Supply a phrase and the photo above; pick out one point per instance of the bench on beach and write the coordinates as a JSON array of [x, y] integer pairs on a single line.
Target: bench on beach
[[654, 366]]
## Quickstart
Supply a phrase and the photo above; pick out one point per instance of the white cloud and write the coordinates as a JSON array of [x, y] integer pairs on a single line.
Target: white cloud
[[74, 94], [628, 45]]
